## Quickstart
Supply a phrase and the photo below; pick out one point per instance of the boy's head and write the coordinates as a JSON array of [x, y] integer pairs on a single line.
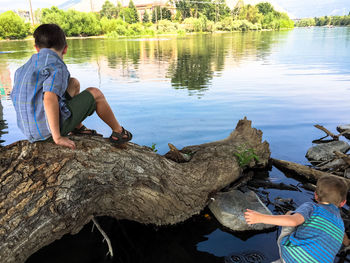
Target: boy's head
[[331, 190], [50, 36]]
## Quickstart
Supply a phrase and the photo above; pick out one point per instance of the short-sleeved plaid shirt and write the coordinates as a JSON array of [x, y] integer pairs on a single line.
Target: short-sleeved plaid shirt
[[44, 71]]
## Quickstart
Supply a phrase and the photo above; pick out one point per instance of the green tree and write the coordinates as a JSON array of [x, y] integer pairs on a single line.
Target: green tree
[[52, 15], [127, 15], [118, 8], [156, 14], [12, 26], [135, 14], [265, 8], [72, 22], [166, 14], [182, 6], [108, 25], [108, 10], [306, 22], [213, 10], [327, 20], [320, 21], [81, 24], [237, 9], [210, 10], [251, 13], [145, 18]]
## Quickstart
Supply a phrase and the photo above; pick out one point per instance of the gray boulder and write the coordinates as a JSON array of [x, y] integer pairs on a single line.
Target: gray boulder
[[324, 152], [343, 128], [229, 208]]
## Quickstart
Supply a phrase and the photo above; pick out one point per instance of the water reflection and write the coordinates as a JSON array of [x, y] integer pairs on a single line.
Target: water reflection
[[193, 67], [15, 50], [189, 62]]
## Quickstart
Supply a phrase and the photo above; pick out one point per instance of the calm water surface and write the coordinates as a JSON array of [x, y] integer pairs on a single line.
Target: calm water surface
[[191, 90]]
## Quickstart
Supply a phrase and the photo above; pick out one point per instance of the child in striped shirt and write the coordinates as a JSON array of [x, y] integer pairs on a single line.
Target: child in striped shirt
[[314, 232]]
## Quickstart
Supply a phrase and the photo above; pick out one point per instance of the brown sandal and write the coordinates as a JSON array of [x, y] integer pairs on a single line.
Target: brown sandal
[[121, 137]]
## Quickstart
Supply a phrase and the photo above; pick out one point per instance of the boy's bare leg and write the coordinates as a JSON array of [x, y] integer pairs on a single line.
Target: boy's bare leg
[[104, 111]]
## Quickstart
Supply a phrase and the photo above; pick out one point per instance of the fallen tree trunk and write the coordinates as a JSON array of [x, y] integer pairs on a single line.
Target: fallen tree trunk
[[302, 170], [47, 191]]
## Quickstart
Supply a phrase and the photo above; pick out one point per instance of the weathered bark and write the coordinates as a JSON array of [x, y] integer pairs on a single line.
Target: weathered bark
[[302, 170], [47, 191]]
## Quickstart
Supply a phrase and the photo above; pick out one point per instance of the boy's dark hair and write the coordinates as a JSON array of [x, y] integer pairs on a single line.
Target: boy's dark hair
[[331, 189], [50, 36]]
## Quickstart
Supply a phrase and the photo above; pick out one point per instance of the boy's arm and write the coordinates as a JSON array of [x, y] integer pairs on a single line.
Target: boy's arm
[[52, 114], [253, 217]]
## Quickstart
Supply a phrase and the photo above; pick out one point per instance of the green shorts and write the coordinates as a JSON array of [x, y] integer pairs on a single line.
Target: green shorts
[[80, 106]]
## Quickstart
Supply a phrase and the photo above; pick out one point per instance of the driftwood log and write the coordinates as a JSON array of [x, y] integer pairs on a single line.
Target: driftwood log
[[334, 137], [47, 191], [304, 171]]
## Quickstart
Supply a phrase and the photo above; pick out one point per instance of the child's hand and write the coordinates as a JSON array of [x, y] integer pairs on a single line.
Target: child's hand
[[64, 141], [252, 217]]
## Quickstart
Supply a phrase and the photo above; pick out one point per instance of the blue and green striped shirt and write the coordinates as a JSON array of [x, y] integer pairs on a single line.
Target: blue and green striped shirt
[[318, 239]]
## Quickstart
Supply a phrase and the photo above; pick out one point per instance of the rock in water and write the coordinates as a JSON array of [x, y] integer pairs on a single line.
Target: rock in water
[[324, 152], [229, 208], [343, 128]]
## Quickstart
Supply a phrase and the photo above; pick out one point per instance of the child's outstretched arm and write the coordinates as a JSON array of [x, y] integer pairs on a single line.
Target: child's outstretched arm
[[52, 113], [253, 217]]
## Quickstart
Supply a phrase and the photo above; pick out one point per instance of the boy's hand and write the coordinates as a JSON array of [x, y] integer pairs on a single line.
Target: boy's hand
[[252, 217], [64, 141]]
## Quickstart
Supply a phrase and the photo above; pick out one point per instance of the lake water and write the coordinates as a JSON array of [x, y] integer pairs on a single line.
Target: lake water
[[193, 89]]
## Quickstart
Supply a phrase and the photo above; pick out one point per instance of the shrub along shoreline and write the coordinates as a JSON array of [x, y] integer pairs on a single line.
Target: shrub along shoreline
[[111, 36]]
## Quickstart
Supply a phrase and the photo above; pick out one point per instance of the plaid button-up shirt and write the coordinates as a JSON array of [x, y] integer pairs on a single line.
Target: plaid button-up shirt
[[44, 71]]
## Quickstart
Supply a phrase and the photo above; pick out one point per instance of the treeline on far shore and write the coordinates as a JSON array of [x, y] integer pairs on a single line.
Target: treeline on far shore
[[115, 21], [324, 21]]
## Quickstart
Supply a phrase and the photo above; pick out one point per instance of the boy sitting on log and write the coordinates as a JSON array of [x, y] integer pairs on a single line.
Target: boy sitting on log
[[48, 101], [314, 232]]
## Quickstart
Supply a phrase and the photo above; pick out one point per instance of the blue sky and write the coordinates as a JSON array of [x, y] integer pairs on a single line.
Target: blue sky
[[297, 8]]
